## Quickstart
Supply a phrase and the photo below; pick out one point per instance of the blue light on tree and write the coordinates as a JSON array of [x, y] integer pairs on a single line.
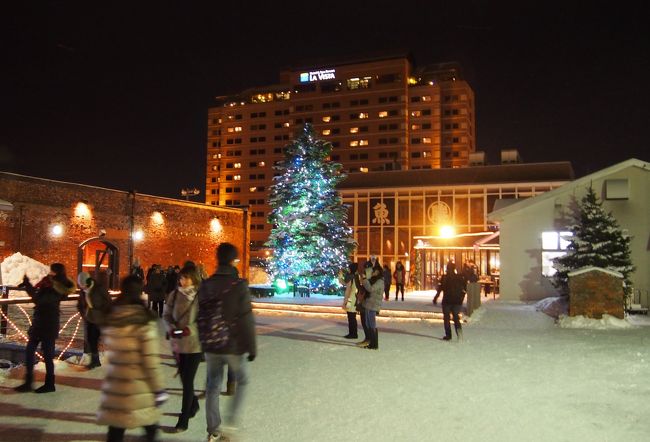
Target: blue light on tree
[[311, 239]]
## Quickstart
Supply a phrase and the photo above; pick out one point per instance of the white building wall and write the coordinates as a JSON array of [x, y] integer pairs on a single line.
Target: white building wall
[[521, 230]]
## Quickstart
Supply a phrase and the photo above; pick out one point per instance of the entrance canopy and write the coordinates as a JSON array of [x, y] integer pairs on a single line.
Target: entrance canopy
[[6, 206]]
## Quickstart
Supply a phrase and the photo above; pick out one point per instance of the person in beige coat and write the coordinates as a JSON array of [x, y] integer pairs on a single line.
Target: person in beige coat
[[133, 389], [180, 319]]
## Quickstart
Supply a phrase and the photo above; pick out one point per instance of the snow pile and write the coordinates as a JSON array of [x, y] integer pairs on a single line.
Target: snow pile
[[17, 265], [554, 306], [258, 275], [607, 322]]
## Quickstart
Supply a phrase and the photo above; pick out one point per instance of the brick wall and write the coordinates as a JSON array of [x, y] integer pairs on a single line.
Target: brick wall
[[594, 293], [179, 230]]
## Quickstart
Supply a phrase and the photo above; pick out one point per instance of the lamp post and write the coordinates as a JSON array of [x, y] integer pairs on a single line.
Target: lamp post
[[187, 193]]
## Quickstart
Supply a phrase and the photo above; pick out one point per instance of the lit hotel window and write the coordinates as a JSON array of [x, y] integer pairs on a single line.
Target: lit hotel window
[[383, 114], [231, 129], [413, 80], [237, 177], [354, 130], [237, 166], [286, 124], [219, 120], [354, 143], [415, 127], [214, 167], [363, 169], [416, 113], [327, 132], [363, 142], [237, 128], [426, 140], [261, 164], [253, 189], [426, 154], [356, 83], [326, 119], [215, 156], [363, 115], [426, 98]]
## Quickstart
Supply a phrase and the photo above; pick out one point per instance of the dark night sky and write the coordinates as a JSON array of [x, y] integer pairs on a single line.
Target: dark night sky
[[117, 95]]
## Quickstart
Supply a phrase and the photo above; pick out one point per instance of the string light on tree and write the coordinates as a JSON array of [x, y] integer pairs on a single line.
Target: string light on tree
[[310, 239]]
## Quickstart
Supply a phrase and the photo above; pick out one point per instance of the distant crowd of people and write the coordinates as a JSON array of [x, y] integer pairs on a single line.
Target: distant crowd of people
[[205, 317]]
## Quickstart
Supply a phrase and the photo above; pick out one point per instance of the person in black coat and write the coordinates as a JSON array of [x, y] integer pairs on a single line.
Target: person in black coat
[[452, 287], [47, 296], [93, 304], [157, 289]]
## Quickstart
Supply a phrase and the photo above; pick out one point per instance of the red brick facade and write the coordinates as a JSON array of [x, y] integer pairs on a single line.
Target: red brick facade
[[173, 231], [595, 292]]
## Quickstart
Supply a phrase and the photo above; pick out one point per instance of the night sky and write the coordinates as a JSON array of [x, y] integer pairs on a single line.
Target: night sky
[[117, 95]]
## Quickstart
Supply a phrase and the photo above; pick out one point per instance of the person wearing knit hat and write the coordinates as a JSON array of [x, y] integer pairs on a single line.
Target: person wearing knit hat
[[46, 296], [94, 301]]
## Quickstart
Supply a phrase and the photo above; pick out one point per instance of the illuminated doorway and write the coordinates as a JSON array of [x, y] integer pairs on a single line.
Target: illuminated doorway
[[99, 258]]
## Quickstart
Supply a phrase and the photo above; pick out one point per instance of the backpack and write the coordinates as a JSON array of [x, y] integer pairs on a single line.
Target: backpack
[[215, 332]]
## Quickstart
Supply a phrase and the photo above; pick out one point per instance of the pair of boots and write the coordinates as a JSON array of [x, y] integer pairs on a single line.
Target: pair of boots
[[26, 387], [94, 362], [372, 340], [184, 420]]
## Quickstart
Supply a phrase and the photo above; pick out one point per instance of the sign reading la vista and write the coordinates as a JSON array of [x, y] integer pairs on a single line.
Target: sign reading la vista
[[326, 74]]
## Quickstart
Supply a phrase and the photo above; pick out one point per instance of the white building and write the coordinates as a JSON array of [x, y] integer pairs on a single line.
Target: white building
[[533, 230]]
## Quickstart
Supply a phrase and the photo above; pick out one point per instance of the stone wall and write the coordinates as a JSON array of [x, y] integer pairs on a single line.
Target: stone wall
[[594, 292], [173, 231]]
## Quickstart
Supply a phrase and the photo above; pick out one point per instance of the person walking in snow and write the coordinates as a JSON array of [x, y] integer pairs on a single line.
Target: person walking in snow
[[46, 296], [156, 289], [372, 304], [387, 280], [180, 318], [362, 294], [227, 331], [400, 278], [350, 300], [452, 288], [93, 304], [133, 390]]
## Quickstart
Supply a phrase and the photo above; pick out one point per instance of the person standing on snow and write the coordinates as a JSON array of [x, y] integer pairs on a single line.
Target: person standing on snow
[[452, 288], [94, 302], [47, 296], [400, 278], [387, 280], [350, 300], [372, 304]]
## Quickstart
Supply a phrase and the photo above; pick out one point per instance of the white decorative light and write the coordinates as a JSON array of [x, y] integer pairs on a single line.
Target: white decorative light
[[57, 230]]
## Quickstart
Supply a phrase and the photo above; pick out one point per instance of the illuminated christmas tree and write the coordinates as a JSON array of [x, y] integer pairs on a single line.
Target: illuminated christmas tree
[[311, 239], [597, 241]]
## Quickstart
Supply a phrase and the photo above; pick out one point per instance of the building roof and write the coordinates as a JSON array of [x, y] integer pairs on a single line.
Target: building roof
[[498, 215], [505, 173]]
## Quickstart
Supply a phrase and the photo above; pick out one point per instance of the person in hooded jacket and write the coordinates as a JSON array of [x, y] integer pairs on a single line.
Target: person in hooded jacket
[[452, 287], [94, 301], [46, 296], [180, 318], [132, 391], [372, 304], [350, 300]]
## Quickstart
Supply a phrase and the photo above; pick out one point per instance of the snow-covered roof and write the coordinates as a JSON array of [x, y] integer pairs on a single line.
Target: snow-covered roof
[[599, 269], [6, 206], [498, 215]]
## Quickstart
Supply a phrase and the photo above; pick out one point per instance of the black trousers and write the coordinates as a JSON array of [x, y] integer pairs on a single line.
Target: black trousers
[[399, 287], [47, 349], [91, 341], [352, 324], [188, 363], [116, 434], [447, 312], [366, 330], [386, 291], [157, 306]]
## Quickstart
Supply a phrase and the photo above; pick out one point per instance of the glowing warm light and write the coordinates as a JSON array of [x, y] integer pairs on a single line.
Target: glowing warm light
[[261, 164], [57, 230], [157, 218], [383, 114], [447, 231], [326, 131], [215, 225], [267, 253], [354, 130], [363, 169], [326, 119], [138, 235], [82, 210]]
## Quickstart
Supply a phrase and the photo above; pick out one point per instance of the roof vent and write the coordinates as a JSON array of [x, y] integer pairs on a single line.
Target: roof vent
[[477, 158], [510, 156]]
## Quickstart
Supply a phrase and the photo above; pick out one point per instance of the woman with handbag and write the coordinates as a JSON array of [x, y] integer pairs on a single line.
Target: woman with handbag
[[180, 318]]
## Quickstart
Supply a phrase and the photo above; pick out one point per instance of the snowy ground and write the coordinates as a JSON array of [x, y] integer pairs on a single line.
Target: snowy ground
[[516, 377]]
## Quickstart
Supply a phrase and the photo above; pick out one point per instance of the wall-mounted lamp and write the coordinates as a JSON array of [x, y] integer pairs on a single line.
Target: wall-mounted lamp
[[138, 235], [57, 230], [82, 209], [157, 218], [215, 225]]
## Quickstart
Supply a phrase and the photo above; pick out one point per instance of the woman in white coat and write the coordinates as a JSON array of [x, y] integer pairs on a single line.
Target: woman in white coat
[[350, 300]]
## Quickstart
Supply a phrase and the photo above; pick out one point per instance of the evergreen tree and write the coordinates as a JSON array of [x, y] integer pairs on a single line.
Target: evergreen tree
[[311, 240], [597, 241], [417, 272]]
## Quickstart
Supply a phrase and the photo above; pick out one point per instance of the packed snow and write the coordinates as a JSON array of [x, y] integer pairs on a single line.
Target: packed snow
[[15, 266], [607, 322], [517, 376]]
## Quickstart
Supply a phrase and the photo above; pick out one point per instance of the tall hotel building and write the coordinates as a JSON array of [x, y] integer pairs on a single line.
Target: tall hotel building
[[379, 114]]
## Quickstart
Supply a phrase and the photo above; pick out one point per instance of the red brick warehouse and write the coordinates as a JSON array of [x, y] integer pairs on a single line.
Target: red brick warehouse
[[98, 229]]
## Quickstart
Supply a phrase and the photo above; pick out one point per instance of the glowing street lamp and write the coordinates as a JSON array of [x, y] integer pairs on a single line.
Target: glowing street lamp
[[447, 231]]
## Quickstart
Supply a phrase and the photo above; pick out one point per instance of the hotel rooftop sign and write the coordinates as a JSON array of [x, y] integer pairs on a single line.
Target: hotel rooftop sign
[[326, 74]]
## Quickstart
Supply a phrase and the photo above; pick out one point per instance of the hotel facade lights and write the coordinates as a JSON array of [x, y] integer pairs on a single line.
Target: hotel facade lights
[[380, 114]]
